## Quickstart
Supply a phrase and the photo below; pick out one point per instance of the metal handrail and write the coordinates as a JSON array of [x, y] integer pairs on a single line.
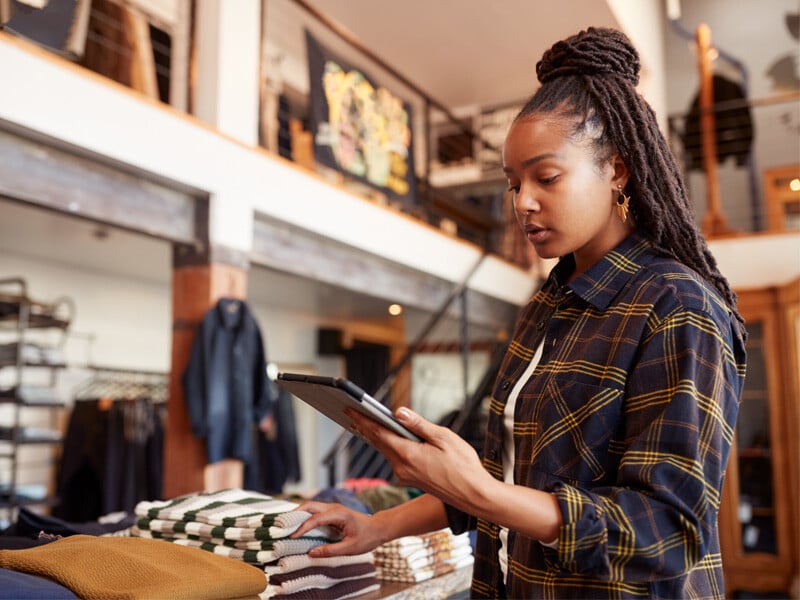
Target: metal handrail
[[346, 437]]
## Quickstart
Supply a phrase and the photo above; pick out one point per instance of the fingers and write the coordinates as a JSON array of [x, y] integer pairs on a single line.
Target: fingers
[[343, 548], [355, 529], [322, 513], [376, 434], [414, 422], [314, 507]]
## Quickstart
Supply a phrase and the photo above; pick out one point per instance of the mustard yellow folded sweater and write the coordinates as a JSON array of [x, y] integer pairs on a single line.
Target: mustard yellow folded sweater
[[111, 568]]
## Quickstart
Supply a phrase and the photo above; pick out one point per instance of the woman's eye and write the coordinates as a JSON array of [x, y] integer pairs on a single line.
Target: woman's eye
[[513, 188], [548, 180]]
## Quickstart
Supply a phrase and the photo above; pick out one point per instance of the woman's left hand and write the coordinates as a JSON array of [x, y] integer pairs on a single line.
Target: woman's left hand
[[444, 464]]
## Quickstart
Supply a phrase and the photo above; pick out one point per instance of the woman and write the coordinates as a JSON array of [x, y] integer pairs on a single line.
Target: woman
[[612, 416]]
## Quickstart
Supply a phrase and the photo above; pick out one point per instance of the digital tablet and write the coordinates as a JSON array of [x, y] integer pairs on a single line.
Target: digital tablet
[[332, 395]]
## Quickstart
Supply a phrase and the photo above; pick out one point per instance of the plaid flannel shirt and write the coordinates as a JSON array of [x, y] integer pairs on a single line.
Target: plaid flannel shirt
[[628, 419]]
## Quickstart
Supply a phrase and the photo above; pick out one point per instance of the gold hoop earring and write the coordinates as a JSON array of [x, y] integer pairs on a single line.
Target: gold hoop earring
[[622, 204]]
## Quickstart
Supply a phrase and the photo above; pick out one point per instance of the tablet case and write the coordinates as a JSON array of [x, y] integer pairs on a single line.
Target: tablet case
[[332, 395]]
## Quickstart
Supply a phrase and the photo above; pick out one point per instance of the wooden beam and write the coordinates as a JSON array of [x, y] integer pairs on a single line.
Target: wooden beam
[[196, 287], [142, 65], [50, 175], [714, 221], [288, 249]]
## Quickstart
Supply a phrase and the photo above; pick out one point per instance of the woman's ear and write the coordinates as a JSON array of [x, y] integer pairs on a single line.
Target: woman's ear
[[621, 172]]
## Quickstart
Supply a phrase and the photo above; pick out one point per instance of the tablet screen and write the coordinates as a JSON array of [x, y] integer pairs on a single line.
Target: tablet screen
[[332, 395]]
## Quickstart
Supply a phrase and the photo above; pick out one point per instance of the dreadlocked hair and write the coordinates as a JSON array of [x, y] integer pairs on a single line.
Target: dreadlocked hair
[[592, 77]]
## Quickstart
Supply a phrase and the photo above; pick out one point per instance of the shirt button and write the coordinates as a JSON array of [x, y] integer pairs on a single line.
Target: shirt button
[[506, 385], [540, 325], [493, 453]]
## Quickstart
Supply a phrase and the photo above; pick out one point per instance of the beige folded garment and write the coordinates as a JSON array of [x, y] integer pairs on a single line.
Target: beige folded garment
[[131, 568]]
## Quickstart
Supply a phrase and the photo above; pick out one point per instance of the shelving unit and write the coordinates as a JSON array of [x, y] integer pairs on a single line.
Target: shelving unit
[[32, 336], [760, 513]]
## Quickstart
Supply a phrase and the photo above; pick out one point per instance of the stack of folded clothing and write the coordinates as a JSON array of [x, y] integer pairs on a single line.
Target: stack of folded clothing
[[417, 558], [255, 529], [301, 576], [240, 524]]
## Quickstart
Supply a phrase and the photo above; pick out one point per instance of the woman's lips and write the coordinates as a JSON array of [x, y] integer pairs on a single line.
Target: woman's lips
[[536, 234]]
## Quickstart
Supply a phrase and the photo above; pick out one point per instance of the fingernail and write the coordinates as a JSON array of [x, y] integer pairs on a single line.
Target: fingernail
[[403, 413]]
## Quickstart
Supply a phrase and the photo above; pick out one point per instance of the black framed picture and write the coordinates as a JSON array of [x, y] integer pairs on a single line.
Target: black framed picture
[[360, 128]]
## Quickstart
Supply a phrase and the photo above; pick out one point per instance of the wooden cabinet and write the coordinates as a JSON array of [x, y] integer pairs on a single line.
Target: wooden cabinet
[[759, 521]]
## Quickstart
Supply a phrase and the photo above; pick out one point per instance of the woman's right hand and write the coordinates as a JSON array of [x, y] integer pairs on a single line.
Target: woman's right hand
[[359, 532]]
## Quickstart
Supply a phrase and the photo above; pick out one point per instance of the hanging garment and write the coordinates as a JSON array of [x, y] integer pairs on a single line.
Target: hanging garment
[[225, 383], [733, 126], [277, 457], [111, 457]]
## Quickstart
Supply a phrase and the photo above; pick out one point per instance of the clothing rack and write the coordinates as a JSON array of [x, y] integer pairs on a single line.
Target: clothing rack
[[113, 445], [120, 384]]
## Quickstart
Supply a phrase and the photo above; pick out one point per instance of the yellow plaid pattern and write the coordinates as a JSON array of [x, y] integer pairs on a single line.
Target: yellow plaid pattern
[[628, 420]]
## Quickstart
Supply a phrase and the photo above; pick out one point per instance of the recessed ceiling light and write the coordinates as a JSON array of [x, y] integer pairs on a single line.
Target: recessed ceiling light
[[395, 309]]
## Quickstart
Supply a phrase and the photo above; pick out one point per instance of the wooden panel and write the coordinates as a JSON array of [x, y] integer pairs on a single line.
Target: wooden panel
[[195, 289], [290, 250], [40, 172], [782, 197], [789, 300], [184, 455], [758, 571], [142, 65]]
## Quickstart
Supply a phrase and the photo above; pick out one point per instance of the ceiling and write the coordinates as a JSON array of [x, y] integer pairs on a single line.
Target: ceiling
[[465, 52]]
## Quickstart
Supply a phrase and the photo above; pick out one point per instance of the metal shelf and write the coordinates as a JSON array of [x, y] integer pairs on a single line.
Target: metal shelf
[[19, 315]]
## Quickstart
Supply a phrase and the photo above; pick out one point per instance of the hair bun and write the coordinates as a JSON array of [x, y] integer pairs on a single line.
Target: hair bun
[[597, 51]]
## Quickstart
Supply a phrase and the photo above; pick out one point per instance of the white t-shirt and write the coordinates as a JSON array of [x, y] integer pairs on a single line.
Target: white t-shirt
[[508, 449]]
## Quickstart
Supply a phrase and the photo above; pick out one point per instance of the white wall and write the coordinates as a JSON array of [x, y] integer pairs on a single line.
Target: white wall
[[761, 261], [439, 382], [643, 23], [129, 319]]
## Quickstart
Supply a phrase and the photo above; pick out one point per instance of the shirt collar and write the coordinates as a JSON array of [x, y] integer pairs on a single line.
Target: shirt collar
[[601, 282], [230, 312]]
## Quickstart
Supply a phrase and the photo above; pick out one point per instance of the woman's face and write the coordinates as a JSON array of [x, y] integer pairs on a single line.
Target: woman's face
[[563, 199]]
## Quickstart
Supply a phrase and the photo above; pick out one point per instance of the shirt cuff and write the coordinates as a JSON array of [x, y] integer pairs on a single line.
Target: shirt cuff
[[582, 541]]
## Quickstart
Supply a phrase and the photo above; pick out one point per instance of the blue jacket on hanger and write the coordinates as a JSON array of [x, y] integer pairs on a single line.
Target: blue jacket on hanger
[[225, 383]]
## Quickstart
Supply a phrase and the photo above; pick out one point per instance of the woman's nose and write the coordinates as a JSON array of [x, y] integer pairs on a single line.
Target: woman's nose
[[525, 202]]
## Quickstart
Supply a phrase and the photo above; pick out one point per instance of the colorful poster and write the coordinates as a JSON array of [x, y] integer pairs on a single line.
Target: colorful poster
[[359, 128]]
